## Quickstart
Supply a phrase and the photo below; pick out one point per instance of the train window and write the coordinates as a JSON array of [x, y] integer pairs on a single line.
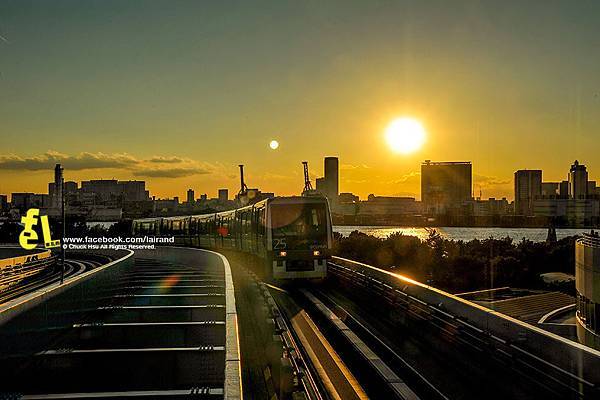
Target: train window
[[299, 226], [261, 221]]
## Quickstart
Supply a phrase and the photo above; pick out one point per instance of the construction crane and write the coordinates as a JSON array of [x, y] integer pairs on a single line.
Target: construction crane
[[308, 189], [243, 186]]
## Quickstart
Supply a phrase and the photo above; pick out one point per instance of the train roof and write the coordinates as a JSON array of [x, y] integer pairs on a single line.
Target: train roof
[[272, 200]]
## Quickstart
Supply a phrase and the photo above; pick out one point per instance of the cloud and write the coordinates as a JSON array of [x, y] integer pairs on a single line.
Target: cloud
[[77, 162], [350, 167], [167, 160], [168, 166], [172, 172], [407, 178], [490, 180]]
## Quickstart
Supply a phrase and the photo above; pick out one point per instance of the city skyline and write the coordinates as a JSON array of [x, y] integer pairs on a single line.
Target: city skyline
[[207, 87], [316, 178]]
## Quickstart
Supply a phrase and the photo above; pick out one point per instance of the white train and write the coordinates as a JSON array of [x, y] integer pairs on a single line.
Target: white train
[[291, 235]]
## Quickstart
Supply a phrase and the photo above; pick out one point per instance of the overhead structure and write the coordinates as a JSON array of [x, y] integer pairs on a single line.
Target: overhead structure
[[308, 188], [307, 185], [243, 186]]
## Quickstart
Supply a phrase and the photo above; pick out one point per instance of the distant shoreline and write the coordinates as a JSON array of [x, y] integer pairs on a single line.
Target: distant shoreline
[[460, 233]]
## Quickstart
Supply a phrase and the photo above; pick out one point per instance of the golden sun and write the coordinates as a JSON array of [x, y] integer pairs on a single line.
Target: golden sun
[[405, 135]]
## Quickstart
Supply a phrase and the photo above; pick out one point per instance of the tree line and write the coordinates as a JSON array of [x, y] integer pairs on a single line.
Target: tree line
[[460, 266]]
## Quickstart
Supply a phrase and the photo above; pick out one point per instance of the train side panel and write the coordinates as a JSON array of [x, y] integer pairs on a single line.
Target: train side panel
[[291, 235]]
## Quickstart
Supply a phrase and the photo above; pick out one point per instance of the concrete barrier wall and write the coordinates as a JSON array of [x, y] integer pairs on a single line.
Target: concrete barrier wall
[[17, 258], [575, 359]]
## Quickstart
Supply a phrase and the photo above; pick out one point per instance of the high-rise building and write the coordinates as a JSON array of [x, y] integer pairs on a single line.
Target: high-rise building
[[134, 190], [104, 189], [578, 181], [190, 196], [332, 176], [329, 184], [118, 191], [58, 186], [223, 195], [24, 201], [445, 185], [528, 186], [3, 202]]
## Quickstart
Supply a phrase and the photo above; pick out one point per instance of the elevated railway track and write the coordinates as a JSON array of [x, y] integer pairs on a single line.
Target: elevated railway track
[[50, 272], [513, 355], [181, 322], [140, 326]]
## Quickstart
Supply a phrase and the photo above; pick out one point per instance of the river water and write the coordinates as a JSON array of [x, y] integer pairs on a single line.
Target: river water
[[466, 234]]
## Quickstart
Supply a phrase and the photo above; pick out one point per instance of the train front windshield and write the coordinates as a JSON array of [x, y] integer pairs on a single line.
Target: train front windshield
[[299, 226]]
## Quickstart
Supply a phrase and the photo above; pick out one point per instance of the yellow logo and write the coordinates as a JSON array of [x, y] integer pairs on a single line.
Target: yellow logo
[[29, 237]]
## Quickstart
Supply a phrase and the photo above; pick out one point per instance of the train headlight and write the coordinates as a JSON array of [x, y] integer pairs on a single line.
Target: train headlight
[[316, 253], [282, 253]]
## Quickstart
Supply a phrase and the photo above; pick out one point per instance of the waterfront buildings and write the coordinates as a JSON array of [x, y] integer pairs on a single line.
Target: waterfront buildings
[[26, 200], [445, 186], [111, 190], [388, 205], [574, 202], [578, 181], [486, 208], [528, 187]]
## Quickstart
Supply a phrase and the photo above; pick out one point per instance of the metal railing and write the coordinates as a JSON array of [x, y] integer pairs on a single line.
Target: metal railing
[[16, 272], [555, 362], [589, 240]]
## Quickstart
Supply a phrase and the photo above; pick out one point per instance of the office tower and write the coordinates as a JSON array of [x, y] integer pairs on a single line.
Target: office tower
[[332, 176], [113, 190], [190, 196], [134, 190], [528, 186], [445, 185], [58, 186], [329, 185], [578, 181]]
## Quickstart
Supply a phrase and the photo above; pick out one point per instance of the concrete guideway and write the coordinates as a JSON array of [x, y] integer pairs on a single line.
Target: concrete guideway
[[152, 324], [335, 376]]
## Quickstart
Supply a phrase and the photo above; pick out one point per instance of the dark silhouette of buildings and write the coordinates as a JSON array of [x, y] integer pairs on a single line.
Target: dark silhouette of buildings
[[445, 186], [528, 187]]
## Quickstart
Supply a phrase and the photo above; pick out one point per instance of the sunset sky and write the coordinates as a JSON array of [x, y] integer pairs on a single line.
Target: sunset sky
[[178, 93]]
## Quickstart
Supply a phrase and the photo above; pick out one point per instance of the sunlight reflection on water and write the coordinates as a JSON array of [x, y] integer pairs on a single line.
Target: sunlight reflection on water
[[466, 234]]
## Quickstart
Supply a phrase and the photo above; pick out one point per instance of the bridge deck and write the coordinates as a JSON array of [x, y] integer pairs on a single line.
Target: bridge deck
[[160, 329]]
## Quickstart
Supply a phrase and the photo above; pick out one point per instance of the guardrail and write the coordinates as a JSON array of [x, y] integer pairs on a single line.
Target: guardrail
[[17, 269], [567, 366], [589, 240]]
